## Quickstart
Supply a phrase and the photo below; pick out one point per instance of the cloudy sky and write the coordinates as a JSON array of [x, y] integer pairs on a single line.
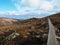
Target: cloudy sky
[[23, 7]]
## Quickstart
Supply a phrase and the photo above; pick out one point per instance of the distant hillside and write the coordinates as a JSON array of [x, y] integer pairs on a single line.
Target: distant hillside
[[41, 22], [27, 28], [6, 21], [33, 23]]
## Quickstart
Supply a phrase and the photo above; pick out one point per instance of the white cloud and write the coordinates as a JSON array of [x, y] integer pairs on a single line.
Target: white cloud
[[33, 3], [13, 12], [34, 6], [47, 6]]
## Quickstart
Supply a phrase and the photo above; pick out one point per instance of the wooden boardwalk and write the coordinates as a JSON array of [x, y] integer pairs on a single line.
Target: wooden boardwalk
[[51, 36]]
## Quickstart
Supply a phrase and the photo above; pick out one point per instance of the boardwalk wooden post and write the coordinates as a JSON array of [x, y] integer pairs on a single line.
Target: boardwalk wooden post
[[51, 36]]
